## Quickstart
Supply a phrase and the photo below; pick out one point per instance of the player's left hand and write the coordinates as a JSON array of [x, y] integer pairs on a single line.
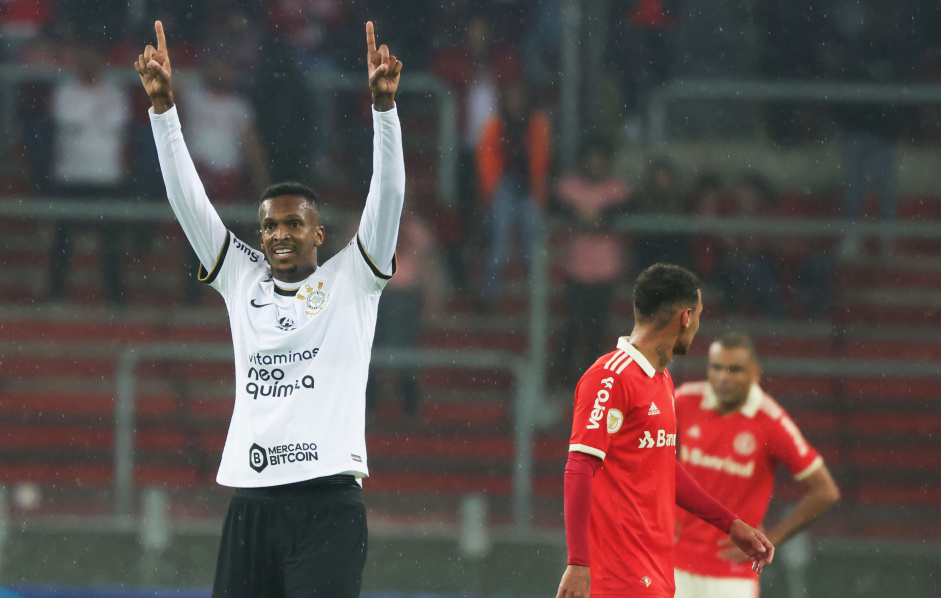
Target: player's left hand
[[384, 70], [753, 543]]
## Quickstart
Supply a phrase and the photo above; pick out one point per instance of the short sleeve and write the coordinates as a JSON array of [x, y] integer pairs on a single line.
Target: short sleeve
[[600, 404], [791, 448]]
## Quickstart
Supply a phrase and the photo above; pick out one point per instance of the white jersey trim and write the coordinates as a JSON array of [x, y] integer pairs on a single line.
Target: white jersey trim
[[618, 362], [749, 408], [625, 345], [588, 450], [810, 469]]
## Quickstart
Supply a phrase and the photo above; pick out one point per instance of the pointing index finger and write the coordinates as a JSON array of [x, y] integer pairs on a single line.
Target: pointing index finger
[[370, 37], [161, 38]]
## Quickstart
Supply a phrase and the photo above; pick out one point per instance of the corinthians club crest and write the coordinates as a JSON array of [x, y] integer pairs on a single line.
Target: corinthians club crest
[[315, 300]]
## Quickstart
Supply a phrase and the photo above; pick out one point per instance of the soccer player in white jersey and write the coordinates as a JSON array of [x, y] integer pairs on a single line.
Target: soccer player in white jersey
[[302, 334]]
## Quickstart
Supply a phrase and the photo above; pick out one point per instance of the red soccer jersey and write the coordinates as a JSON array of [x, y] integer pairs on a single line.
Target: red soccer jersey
[[624, 416], [733, 457]]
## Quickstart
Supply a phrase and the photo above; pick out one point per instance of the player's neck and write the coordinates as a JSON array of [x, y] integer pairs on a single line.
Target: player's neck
[[725, 409], [656, 346], [292, 279]]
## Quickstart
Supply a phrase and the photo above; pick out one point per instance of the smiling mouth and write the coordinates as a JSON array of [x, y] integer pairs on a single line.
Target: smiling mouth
[[283, 251]]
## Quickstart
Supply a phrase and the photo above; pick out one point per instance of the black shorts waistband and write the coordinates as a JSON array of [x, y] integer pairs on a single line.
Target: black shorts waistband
[[305, 488]]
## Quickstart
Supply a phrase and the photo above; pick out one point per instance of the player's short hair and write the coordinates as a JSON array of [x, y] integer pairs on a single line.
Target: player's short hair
[[661, 289], [290, 188], [739, 340]]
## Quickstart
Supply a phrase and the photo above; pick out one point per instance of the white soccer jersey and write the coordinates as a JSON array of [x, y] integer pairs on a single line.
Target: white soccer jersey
[[301, 357]]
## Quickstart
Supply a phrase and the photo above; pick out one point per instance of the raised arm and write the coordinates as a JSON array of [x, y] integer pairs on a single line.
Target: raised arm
[[200, 222], [379, 227]]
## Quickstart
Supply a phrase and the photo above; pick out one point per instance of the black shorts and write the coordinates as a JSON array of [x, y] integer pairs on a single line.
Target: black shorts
[[297, 541]]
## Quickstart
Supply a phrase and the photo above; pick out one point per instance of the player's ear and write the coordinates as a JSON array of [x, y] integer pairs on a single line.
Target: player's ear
[[319, 236], [686, 315]]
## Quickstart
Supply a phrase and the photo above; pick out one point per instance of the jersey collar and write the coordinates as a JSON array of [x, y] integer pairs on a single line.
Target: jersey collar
[[625, 345], [748, 409]]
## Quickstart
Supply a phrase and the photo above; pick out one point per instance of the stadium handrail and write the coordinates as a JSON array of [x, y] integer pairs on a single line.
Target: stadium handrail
[[125, 379], [416, 83], [778, 91], [526, 396], [142, 211]]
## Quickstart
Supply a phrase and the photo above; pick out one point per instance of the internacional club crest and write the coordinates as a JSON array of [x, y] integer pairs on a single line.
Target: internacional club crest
[[315, 301], [745, 444]]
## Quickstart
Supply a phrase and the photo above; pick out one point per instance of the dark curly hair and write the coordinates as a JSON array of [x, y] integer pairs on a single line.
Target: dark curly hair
[[661, 289]]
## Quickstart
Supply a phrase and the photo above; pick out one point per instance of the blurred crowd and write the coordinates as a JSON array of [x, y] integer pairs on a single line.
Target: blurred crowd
[[254, 114]]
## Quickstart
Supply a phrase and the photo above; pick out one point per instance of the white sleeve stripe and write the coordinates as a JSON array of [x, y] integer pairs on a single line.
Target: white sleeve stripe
[[581, 448], [624, 365], [817, 463], [615, 360]]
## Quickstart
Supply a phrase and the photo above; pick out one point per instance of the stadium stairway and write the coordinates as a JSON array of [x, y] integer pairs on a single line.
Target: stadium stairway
[[57, 361]]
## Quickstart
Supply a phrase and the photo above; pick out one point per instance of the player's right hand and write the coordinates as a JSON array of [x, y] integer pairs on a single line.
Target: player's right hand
[[154, 69], [753, 543], [576, 582]]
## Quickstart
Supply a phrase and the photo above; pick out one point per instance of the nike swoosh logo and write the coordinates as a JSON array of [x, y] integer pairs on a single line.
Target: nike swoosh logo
[[256, 305]]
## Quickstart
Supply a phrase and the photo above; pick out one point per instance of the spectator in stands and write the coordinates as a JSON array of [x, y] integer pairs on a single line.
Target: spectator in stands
[[540, 46], [660, 194], [873, 47], [282, 105], [102, 21], [746, 271], [645, 31], [21, 21], [513, 160], [90, 115], [307, 26], [707, 197], [474, 70], [419, 289], [223, 138], [794, 42], [591, 200]]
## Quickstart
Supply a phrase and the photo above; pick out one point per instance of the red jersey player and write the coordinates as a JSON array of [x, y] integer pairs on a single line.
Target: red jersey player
[[622, 478], [733, 436]]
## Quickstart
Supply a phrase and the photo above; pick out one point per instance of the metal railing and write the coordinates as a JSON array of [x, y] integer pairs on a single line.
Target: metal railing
[[11, 77], [528, 370], [786, 91], [525, 397]]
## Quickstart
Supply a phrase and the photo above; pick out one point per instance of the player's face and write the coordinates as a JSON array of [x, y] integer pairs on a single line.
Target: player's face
[[681, 346], [731, 372], [290, 236]]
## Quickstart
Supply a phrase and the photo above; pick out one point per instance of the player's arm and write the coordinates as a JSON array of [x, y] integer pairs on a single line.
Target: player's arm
[[822, 493], [790, 447], [596, 395], [579, 473], [379, 227], [691, 497], [200, 222]]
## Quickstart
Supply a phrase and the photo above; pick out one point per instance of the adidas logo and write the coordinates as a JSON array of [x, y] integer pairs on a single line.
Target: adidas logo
[[653, 409]]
